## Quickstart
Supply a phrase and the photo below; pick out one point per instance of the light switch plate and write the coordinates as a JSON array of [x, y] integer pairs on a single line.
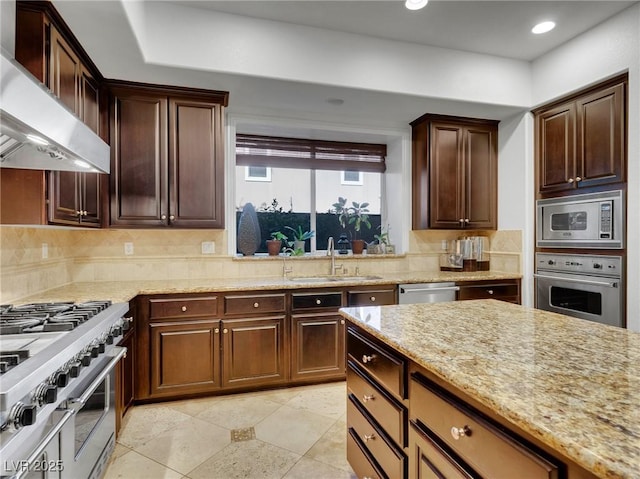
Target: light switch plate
[[128, 249], [208, 247]]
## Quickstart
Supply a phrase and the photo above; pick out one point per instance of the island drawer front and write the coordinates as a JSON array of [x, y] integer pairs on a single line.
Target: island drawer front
[[433, 460], [390, 415], [506, 292], [487, 449], [183, 308], [255, 303], [377, 297], [388, 369], [305, 301], [392, 461], [362, 464]]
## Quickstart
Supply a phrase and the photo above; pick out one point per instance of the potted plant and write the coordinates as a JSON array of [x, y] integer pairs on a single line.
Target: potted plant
[[275, 243], [299, 237], [355, 215], [382, 242]]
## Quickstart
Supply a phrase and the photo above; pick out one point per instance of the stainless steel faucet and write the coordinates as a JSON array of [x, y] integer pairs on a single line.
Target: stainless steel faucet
[[331, 251]]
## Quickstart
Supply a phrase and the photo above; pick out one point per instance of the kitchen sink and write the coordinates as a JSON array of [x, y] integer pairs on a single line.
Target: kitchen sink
[[331, 279]]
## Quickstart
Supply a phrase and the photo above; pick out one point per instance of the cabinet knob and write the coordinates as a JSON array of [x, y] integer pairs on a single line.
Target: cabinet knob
[[372, 298], [342, 321], [163, 217], [171, 217], [458, 432], [78, 213], [367, 359], [318, 301], [368, 397], [184, 308], [217, 330], [466, 220], [570, 180], [490, 291], [256, 304], [461, 220], [225, 330], [84, 213], [578, 178], [368, 437]]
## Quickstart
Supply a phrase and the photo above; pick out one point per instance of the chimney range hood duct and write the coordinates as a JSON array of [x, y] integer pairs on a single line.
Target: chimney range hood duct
[[38, 132]]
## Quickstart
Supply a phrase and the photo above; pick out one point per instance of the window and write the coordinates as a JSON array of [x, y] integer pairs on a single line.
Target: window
[[306, 178], [351, 177], [257, 173]]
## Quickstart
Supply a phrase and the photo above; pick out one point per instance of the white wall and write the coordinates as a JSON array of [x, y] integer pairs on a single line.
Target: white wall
[[610, 48], [8, 26]]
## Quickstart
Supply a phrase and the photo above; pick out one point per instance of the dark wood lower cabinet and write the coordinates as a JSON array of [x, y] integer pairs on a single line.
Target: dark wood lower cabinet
[[185, 357], [125, 374], [253, 351], [317, 346]]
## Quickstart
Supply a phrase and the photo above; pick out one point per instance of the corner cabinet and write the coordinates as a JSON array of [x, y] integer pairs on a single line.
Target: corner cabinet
[[454, 173], [581, 140], [167, 156]]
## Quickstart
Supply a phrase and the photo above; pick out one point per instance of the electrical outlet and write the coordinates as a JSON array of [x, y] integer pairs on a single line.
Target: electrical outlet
[[128, 249], [45, 250], [208, 247]]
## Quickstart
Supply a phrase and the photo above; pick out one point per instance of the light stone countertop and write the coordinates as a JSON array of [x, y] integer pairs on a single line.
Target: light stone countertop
[[572, 384], [123, 291]]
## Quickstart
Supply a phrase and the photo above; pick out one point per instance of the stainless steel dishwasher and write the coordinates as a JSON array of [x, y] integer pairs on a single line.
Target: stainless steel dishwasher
[[427, 293]]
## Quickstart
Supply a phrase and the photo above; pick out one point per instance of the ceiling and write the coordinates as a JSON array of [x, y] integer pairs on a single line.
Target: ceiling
[[501, 28]]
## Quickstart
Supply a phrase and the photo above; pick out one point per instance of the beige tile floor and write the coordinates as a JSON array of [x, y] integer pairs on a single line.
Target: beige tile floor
[[286, 433]]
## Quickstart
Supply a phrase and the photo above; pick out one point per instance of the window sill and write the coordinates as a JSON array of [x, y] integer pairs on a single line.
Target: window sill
[[315, 256]]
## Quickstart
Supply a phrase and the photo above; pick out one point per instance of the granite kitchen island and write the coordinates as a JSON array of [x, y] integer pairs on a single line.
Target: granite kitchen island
[[568, 388]]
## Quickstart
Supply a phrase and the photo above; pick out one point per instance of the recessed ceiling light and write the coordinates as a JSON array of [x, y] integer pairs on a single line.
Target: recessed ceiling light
[[36, 139], [543, 27], [415, 4]]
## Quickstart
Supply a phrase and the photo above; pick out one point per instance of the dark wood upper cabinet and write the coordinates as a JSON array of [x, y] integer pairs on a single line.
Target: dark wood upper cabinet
[[454, 173], [167, 157], [581, 140]]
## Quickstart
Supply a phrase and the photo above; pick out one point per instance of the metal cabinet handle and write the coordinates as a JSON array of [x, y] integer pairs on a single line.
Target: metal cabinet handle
[[217, 330], [342, 321], [367, 359], [490, 291], [78, 213], [256, 305], [184, 308], [466, 220], [318, 301], [372, 298], [461, 220], [578, 178], [368, 437], [171, 217], [368, 397], [458, 432], [225, 330], [570, 180], [163, 217]]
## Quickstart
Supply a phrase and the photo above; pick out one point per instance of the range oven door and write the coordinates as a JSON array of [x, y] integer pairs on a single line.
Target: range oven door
[[583, 296]]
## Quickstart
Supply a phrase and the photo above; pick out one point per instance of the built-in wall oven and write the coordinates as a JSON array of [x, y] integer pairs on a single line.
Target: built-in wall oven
[[594, 220], [585, 286]]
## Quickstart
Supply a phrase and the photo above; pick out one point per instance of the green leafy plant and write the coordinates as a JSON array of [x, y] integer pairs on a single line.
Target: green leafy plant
[[278, 236], [383, 237], [355, 215], [299, 235], [293, 251]]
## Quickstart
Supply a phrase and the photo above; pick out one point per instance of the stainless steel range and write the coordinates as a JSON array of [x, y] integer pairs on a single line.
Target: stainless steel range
[[57, 397], [585, 286]]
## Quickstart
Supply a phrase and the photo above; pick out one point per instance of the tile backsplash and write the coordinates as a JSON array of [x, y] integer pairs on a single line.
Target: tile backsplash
[[99, 255]]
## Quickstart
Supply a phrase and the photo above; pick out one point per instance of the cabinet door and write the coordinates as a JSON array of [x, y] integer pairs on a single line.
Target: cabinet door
[[91, 200], [64, 72], [185, 357], [481, 173], [196, 164], [125, 373], [446, 168], [556, 148], [64, 204], [253, 351], [138, 158], [89, 100], [317, 346], [601, 138]]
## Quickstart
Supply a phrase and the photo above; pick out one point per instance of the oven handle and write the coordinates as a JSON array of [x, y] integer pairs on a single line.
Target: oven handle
[[579, 281], [120, 352], [35, 455], [430, 290]]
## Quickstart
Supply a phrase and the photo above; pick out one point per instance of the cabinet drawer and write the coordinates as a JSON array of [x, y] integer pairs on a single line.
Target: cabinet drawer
[[433, 459], [392, 461], [385, 367], [362, 464], [183, 308], [304, 301], [377, 297], [257, 303], [507, 292], [390, 416], [487, 449]]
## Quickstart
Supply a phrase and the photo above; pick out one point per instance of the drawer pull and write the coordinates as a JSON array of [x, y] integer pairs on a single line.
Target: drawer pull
[[184, 308], [368, 397], [318, 301], [368, 437], [225, 330], [367, 359], [217, 330], [342, 321], [458, 432], [256, 304], [490, 291], [372, 298]]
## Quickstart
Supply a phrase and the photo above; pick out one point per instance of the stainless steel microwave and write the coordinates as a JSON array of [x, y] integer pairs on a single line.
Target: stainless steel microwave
[[594, 220]]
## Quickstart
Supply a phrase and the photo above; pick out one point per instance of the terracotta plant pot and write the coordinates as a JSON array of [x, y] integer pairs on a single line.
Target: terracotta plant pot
[[357, 246], [273, 247]]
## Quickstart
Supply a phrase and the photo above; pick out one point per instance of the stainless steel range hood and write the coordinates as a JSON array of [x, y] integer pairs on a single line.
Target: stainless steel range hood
[[38, 132]]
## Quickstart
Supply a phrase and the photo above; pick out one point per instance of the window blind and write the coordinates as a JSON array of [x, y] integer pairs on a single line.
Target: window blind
[[277, 152]]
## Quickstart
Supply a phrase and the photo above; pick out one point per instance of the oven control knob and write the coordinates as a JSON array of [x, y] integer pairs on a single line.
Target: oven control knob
[[74, 369], [126, 323], [597, 266], [551, 262], [109, 339], [23, 415], [101, 347], [46, 394], [94, 351], [61, 378], [86, 359], [116, 331]]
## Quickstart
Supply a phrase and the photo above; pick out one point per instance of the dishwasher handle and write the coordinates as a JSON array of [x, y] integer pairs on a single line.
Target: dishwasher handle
[[429, 290]]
